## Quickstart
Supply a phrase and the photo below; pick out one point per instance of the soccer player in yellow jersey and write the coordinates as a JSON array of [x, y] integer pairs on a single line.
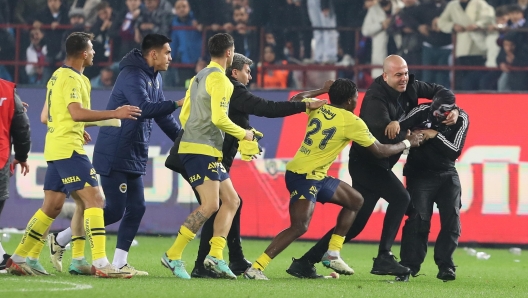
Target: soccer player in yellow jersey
[[330, 128], [204, 121], [69, 169]]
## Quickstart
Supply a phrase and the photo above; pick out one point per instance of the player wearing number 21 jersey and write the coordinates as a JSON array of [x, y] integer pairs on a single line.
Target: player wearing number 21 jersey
[[330, 128]]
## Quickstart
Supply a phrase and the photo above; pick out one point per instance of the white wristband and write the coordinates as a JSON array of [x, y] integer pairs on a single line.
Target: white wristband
[[407, 144], [109, 122]]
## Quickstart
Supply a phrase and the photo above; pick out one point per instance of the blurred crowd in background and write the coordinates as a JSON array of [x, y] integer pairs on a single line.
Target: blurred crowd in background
[[342, 33]]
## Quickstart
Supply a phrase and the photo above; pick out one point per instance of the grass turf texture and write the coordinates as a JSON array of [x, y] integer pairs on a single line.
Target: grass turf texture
[[500, 276]]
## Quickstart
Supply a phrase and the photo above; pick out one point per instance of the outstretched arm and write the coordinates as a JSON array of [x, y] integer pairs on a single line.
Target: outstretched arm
[[313, 93], [248, 103]]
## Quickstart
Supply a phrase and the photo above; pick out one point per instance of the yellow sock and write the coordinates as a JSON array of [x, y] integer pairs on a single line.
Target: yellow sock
[[95, 232], [77, 246], [34, 253], [36, 227], [217, 247], [184, 237], [262, 262], [336, 242]]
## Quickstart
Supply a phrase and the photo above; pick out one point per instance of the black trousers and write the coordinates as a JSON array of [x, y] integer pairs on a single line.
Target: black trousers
[[233, 238], [373, 182], [425, 190]]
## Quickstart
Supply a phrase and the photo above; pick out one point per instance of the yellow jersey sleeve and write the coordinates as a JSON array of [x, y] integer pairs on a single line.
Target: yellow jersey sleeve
[[357, 131], [216, 85], [186, 108]]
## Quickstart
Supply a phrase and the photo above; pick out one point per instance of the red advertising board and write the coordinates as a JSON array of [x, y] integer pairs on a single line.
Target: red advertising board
[[493, 169]]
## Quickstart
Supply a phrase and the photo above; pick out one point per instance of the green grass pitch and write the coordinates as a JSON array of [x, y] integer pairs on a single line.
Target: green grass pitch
[[503, 275]]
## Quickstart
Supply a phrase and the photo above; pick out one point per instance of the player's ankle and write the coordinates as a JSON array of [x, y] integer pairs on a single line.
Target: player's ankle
[[101, 262]]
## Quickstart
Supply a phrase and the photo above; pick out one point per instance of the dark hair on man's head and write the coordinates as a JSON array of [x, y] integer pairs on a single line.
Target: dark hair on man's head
[[501, 11], [153, 42], [219, 43], [239, 61], [102, 5], [515, 8], [237, 7], [77, 42], [341, 90]]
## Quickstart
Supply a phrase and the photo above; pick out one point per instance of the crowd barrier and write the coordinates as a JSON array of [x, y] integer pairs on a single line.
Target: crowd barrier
[[492, 168]]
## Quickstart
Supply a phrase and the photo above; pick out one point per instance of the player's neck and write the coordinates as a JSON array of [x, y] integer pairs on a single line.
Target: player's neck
[[221, 61], [76, 64]]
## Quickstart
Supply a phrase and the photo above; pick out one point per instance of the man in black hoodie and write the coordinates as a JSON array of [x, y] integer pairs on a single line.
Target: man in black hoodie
[[243, 103], [390, 97], [433, 178]]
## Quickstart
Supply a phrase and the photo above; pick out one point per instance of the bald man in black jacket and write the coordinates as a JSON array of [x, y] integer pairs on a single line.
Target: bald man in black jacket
[[389, 98]]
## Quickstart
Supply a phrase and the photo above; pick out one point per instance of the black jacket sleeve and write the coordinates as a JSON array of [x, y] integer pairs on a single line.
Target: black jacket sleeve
[[427, 90], [414, 117], [20, 131], [248, 103], [375, 113], [452, 147], [169, 126]]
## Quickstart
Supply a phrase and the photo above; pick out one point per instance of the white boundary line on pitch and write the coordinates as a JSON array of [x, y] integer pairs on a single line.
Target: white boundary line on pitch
[[74, 286]]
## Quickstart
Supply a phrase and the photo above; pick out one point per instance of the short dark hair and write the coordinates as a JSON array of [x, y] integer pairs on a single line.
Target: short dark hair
[[77, 42], [515, 8], [501, 11], [107, 68], [102, 5], [341, 90], [239, 61], [237, 7], [153, 42], [219, 43]]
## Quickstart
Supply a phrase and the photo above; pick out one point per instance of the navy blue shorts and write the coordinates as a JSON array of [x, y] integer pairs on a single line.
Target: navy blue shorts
[[70, 174], [201, 167], [309, 189]]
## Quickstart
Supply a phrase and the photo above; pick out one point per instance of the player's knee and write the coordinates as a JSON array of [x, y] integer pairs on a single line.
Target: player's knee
[[300, 228], [357, 202], [137, 210], [209, 207], [51, 210]]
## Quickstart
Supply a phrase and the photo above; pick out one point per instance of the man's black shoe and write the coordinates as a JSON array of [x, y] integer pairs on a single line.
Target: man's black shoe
[[386, 264], [446, 274], [201, 272], [4, 262], [239, 266], [303, 269]]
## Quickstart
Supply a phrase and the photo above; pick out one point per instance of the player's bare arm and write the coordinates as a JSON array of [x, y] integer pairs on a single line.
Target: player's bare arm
[[313, 105], [80, 114], [385, 150]]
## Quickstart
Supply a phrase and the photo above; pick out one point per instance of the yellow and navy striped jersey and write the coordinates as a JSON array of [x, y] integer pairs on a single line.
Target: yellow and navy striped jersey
[[328, 131]]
